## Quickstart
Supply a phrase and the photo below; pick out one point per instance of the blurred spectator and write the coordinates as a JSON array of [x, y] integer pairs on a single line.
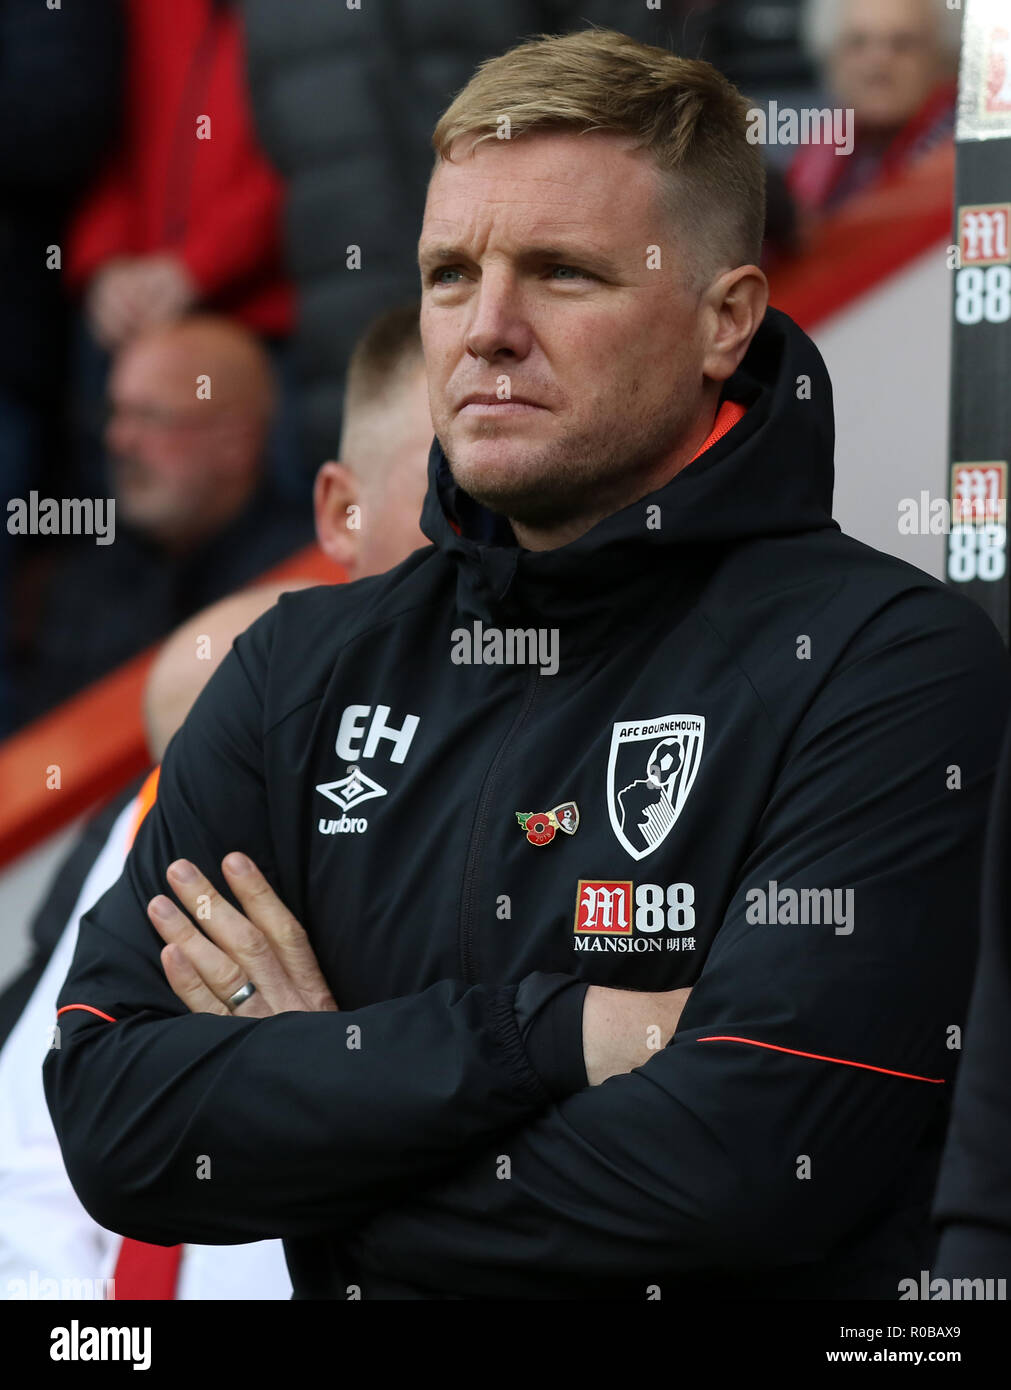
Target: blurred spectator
[[195, 516], [59, 72], [45, 1232], [187, 210], [381, 477], [366, 510], [895, 64], [382, 472]]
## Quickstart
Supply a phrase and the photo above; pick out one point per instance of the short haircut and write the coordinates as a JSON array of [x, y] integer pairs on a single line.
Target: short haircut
[[385, 354], [689, 119]]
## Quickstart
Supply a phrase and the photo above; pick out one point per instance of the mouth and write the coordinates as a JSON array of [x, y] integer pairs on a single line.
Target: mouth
[[480, 404]]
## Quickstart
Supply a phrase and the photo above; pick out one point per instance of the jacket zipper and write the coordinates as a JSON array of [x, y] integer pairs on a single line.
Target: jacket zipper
[[468, 897]]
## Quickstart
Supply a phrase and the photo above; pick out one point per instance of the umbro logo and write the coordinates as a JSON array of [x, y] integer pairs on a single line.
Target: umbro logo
[[359, 735], [350, 790]]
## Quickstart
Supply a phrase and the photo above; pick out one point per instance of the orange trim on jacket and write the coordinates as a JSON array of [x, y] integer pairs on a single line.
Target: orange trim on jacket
[[145, 799]]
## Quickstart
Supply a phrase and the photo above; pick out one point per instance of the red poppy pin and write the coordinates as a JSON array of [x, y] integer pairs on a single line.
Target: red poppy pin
[[540, 826]]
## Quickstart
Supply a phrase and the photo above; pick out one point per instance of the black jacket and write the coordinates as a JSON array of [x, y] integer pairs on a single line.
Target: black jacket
[[973, 1201], [819, 717]]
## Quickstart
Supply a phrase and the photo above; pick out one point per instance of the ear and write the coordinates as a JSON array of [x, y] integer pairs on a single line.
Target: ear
[[735, 305], [337, 511]]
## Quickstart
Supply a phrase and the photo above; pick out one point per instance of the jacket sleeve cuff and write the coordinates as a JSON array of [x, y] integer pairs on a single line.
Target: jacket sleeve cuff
[[549, 1013]]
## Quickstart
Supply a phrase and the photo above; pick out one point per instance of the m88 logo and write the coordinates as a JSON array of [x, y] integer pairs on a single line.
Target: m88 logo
[[672, 907], [615, 910]]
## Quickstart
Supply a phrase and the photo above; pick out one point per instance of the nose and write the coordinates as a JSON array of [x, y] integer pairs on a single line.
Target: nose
[[499, 326]]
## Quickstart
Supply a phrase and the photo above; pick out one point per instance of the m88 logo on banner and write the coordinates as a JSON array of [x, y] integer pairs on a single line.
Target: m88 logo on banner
[[983, 284], [980, 254], [977, 545]]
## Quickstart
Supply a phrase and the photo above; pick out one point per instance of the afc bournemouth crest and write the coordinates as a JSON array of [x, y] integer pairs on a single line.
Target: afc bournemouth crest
[[650, 771]]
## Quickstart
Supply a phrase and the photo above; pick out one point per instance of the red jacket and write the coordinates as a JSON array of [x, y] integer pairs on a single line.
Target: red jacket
[[820, 180], [216, 202]]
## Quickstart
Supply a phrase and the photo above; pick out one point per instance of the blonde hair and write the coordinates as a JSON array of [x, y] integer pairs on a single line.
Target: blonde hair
[[682, 112], [386, 352]]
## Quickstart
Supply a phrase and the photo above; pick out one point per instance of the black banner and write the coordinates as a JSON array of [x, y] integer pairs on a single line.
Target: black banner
[[980, 428]]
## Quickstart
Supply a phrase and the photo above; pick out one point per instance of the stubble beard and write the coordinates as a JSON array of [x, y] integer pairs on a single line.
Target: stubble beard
[[582, 476]]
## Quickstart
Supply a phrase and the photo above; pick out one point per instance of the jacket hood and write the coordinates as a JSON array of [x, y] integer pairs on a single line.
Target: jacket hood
[[771, 474]]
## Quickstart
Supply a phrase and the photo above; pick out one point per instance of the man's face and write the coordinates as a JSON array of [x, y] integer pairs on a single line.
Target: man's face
[[537, 284], [169, 453], [886, 60]]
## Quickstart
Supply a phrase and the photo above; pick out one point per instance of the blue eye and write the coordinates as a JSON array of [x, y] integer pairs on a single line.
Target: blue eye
[[574, 270], [443, 270]]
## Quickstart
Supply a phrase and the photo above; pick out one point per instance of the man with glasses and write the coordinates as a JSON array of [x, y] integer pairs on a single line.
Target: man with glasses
[[189, 411]]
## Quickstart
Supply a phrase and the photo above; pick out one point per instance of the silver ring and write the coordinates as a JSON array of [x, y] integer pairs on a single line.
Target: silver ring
[[241, 995]]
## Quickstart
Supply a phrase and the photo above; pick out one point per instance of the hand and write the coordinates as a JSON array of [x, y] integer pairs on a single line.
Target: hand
[[130, 293], [266, 945], [164, 289], [619, 1028], [111, 301]]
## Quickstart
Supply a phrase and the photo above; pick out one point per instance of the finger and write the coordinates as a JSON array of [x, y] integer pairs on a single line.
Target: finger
[[187, 985], [247, 949], [220, 974], [198, 997], [282, 929]]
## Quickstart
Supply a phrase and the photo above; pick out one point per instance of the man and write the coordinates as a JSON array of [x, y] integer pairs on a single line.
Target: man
[[368, 502], [894, 64], [44, 1231], [43, 1227], [187, 210], [185, 214], [443, 1054], [190, 407]]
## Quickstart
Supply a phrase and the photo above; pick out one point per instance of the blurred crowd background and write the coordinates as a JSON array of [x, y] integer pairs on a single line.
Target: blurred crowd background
[[235, 188]]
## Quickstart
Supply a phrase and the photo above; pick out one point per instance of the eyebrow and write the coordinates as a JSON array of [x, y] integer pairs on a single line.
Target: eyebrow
[[564, 255]]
